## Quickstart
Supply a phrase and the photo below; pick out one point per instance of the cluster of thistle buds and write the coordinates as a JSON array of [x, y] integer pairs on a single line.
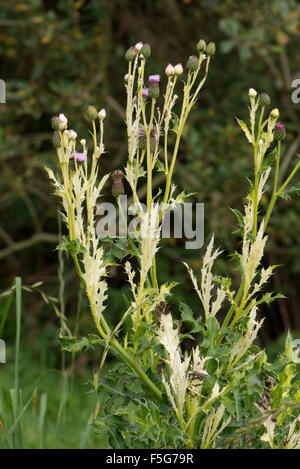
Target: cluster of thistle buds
[[64, 137], [143, 51], [93, 114], [264, 100]]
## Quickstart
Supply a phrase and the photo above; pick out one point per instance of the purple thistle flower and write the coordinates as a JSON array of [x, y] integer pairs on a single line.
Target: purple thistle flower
[[154, 79], [145, 92], [80, 157]]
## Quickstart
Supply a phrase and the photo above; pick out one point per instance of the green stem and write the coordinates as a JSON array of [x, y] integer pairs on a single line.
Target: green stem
[[104, 331], [149, 158], [289, 179], [255, 204], [256, 169], [236, 300], [274, 194]]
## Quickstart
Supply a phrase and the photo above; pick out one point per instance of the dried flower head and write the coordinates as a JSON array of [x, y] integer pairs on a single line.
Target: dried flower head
[[162, 308], [117, 183]]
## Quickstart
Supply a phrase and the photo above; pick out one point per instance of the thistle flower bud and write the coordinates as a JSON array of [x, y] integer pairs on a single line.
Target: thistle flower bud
[[71, 134], [117, 183], [101, 114], [56, 139], [83, 142], [146, 50], [192, 63], [211, 49], [264, 99], [55, 122], [178, 69], [169, 70], [274, 113], [139, 46], [92, 113], [279, 131], [153, 90], [131, 53], [252, 93], [63, 121], [201, 46]]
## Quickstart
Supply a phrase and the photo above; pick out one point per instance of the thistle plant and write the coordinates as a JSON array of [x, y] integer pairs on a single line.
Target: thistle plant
[[224, 392]]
